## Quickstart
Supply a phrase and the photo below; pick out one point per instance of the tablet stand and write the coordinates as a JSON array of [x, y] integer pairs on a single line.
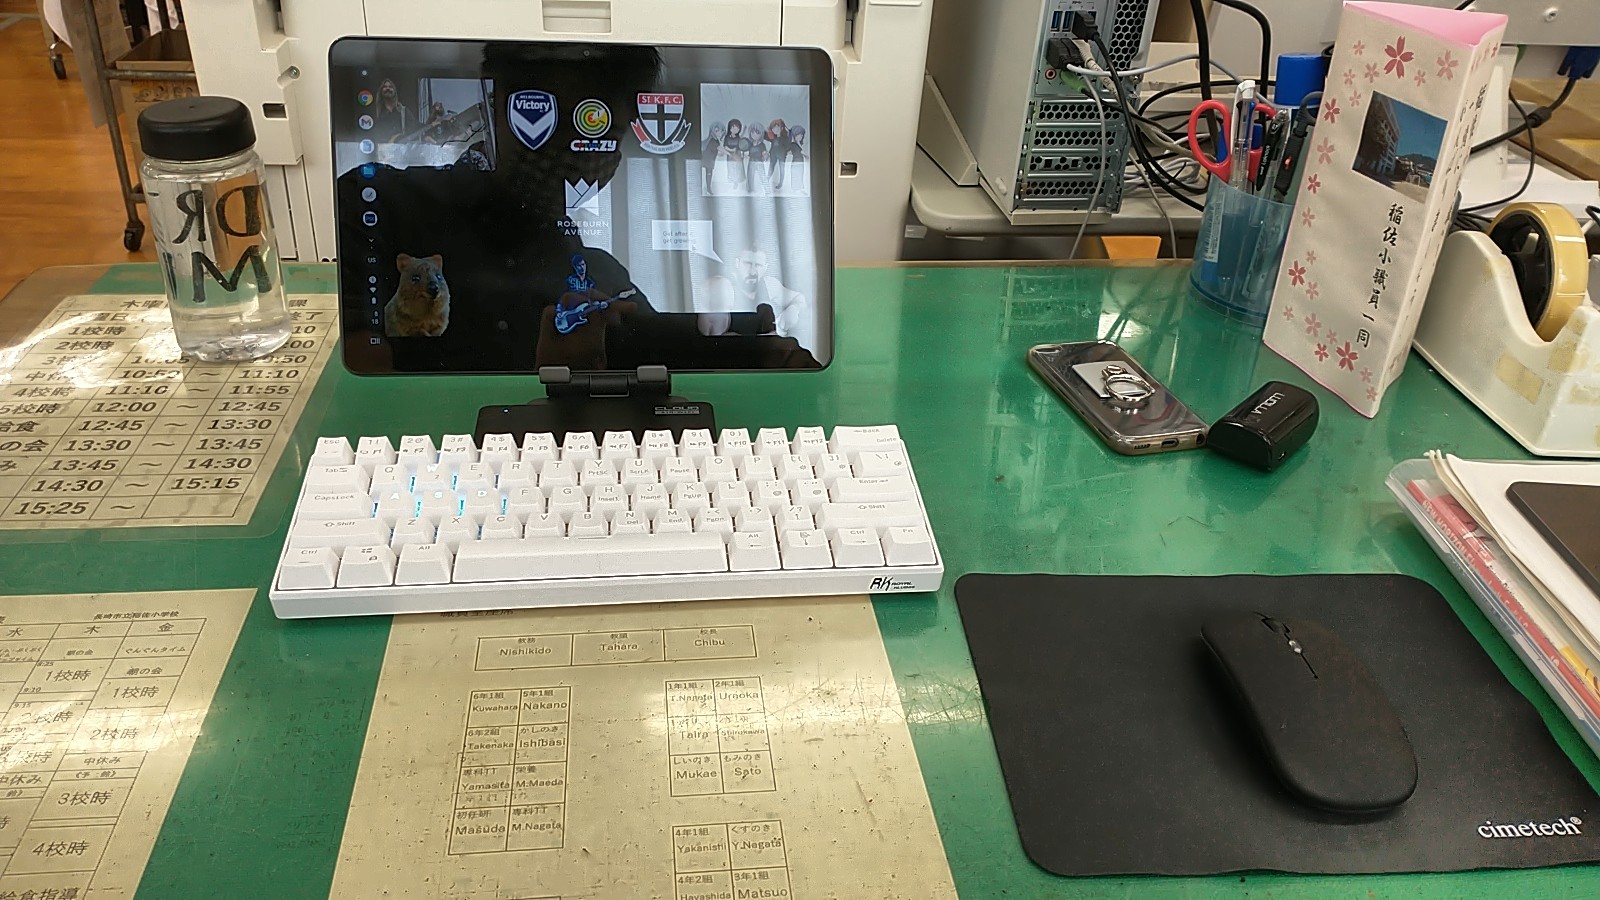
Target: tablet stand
[[598, 402]]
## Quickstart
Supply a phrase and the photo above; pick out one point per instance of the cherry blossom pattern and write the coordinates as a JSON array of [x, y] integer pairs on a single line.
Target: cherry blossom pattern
[[1307, 217], [1297, 274], [1366, 375], [1358, 48], [1325, 150], [1398, 57], [1312, 291], [1322, 353], [1355, 98], [1333, 337], [1372, 395], [1447, 66], [1311, 257], [1348, 357], [1371, 73], [1421, 78], [1349, 77], [1330, 109], [1288, 313], [1314, 183], [1312, 325]]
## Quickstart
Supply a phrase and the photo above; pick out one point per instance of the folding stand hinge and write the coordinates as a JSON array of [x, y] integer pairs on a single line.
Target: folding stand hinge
[[647, 381]]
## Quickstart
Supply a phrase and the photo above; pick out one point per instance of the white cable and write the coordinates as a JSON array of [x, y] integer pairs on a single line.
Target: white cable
[[1100, 177], [1153, 67]]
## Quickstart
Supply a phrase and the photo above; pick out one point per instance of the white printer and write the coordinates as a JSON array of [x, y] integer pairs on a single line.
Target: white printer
[[273, 56]]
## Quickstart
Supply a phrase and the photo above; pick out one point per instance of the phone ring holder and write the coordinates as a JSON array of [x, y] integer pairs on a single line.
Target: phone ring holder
[[1125, 388]]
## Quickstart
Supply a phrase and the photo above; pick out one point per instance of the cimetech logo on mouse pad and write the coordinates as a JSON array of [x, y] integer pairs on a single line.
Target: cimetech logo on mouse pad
[[533, 116]]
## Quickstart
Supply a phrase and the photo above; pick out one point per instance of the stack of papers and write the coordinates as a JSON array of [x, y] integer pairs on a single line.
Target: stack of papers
[[1529, 592]]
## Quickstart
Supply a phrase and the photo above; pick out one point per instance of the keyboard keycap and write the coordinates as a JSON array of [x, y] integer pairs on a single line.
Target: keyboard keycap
[[338, 534], [414, 531], [557, 473], [716, 521], [395, 505], [810, 493], [437, 504], [754, 518], [772, 442], [458, 449], [545, 525], [578, 447], [372, 452], [474, 476], [734, 443], [317, 505], [794, 518], [810, 443], [678, 471], [564, 501], [873, 514], [695, 445], [516, 474], [588, 525], [501, 528], [597, 471], [755, 470], [337, 478], [332, 451], [886, 487], [854, 548], [870, 464], [417, 450], [618, 447], [424, 564], [524, 502], [717, 469], [832, 467], [690, 499], [308, 568], [639, 471], [624, 554], [538, 449], [657, 447], [629, 523], [753, 552], [649, 499], [850, 438], [608, 499], [907, 545], [730, 495], [670, 521], [803, 549], [368, 566], [498, 449], [457, 530], [390, 478]]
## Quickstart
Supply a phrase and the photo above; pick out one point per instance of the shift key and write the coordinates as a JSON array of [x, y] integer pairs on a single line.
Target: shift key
[[338, 533], [873, 514]]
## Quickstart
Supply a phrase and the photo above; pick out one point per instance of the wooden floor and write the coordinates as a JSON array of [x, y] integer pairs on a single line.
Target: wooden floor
[[59, 200]]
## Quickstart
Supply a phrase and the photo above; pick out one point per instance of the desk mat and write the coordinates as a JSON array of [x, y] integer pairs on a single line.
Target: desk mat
[[104, 423], [1123, 754]]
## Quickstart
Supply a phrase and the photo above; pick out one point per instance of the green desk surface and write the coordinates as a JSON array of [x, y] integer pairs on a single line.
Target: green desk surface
[[1013, 483]]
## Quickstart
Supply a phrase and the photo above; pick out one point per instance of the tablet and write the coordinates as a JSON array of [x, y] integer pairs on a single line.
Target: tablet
[[1568, 516], [505, 206]]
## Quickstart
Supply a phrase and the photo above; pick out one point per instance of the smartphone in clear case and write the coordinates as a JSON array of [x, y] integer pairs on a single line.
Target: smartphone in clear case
[[1159, 423]]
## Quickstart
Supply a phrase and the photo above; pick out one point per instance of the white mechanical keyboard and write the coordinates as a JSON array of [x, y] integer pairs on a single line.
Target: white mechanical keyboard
[[438, 527]]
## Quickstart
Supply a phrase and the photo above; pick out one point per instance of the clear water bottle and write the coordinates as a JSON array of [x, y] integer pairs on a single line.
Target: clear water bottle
[[204, 185]]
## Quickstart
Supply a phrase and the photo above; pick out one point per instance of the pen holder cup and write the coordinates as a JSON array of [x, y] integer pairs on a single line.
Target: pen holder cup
[[1238, 251]]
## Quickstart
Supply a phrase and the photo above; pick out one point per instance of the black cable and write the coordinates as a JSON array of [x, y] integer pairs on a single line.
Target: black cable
[[1594, 213], [1135, 139], [1532, 120], [1202, 39], [1526, 179], [1266, 34], [1464, 4]]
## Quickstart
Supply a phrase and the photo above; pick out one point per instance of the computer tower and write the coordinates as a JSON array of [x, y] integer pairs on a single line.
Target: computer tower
[[998, 112]]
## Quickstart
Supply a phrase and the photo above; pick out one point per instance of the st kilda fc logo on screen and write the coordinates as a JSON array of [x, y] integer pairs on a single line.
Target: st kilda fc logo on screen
[[661, 127]]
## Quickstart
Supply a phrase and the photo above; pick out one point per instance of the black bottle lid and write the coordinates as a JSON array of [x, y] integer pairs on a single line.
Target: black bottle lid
[[191, 129]]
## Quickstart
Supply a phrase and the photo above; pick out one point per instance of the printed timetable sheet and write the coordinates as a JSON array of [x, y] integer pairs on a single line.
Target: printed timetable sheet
[[103, 696], [104, 424], [748, 750]]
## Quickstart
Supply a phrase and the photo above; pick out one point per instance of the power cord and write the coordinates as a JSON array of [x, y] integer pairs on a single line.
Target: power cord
[[1100, 178], [1527, 178], [1531, 120], [1266, 35]]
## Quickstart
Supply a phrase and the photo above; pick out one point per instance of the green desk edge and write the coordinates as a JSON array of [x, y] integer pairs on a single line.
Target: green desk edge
[[1013, 483]]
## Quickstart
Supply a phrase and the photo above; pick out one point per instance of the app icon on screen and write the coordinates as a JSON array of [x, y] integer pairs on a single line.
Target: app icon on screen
[[368, 170], [369, 218], [365, 122], [533, 117], [364, 97], [369, 194], [367, 146]]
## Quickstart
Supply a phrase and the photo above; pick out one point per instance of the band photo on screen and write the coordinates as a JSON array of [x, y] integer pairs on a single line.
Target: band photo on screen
[[753, 140]]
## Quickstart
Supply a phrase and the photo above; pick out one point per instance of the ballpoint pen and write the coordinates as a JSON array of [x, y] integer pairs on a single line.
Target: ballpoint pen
[[1242, 124], [1277, 135]]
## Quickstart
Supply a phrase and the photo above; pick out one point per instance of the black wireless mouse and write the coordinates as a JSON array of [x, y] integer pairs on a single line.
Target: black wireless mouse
[[1328, 730]]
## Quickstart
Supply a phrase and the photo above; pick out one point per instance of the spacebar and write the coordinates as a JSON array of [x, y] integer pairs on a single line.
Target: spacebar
[[623, 554]]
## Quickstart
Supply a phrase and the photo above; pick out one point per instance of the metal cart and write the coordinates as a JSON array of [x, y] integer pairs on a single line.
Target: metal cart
[[102, 76]]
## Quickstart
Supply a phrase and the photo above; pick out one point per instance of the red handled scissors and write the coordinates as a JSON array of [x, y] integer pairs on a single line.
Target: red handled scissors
[[1224, 168]]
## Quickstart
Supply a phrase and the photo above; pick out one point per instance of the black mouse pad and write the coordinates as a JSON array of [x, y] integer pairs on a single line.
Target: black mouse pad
[[1124, 754]]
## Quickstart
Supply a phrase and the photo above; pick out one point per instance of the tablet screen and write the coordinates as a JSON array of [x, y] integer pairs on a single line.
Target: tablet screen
[[504, 206]]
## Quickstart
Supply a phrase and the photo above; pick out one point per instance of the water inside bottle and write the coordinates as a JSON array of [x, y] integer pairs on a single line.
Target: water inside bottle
[[220, 266]]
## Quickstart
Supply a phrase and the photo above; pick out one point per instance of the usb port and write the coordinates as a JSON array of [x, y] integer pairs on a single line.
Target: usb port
[[1055, 21], [1170, 442]]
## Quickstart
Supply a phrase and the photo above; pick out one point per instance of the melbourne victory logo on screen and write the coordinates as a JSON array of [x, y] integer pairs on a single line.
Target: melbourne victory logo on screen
[[533, 117], [661, 127]]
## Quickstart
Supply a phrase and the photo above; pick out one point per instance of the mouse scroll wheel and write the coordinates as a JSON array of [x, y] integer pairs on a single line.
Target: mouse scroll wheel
[[1274, 625]]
